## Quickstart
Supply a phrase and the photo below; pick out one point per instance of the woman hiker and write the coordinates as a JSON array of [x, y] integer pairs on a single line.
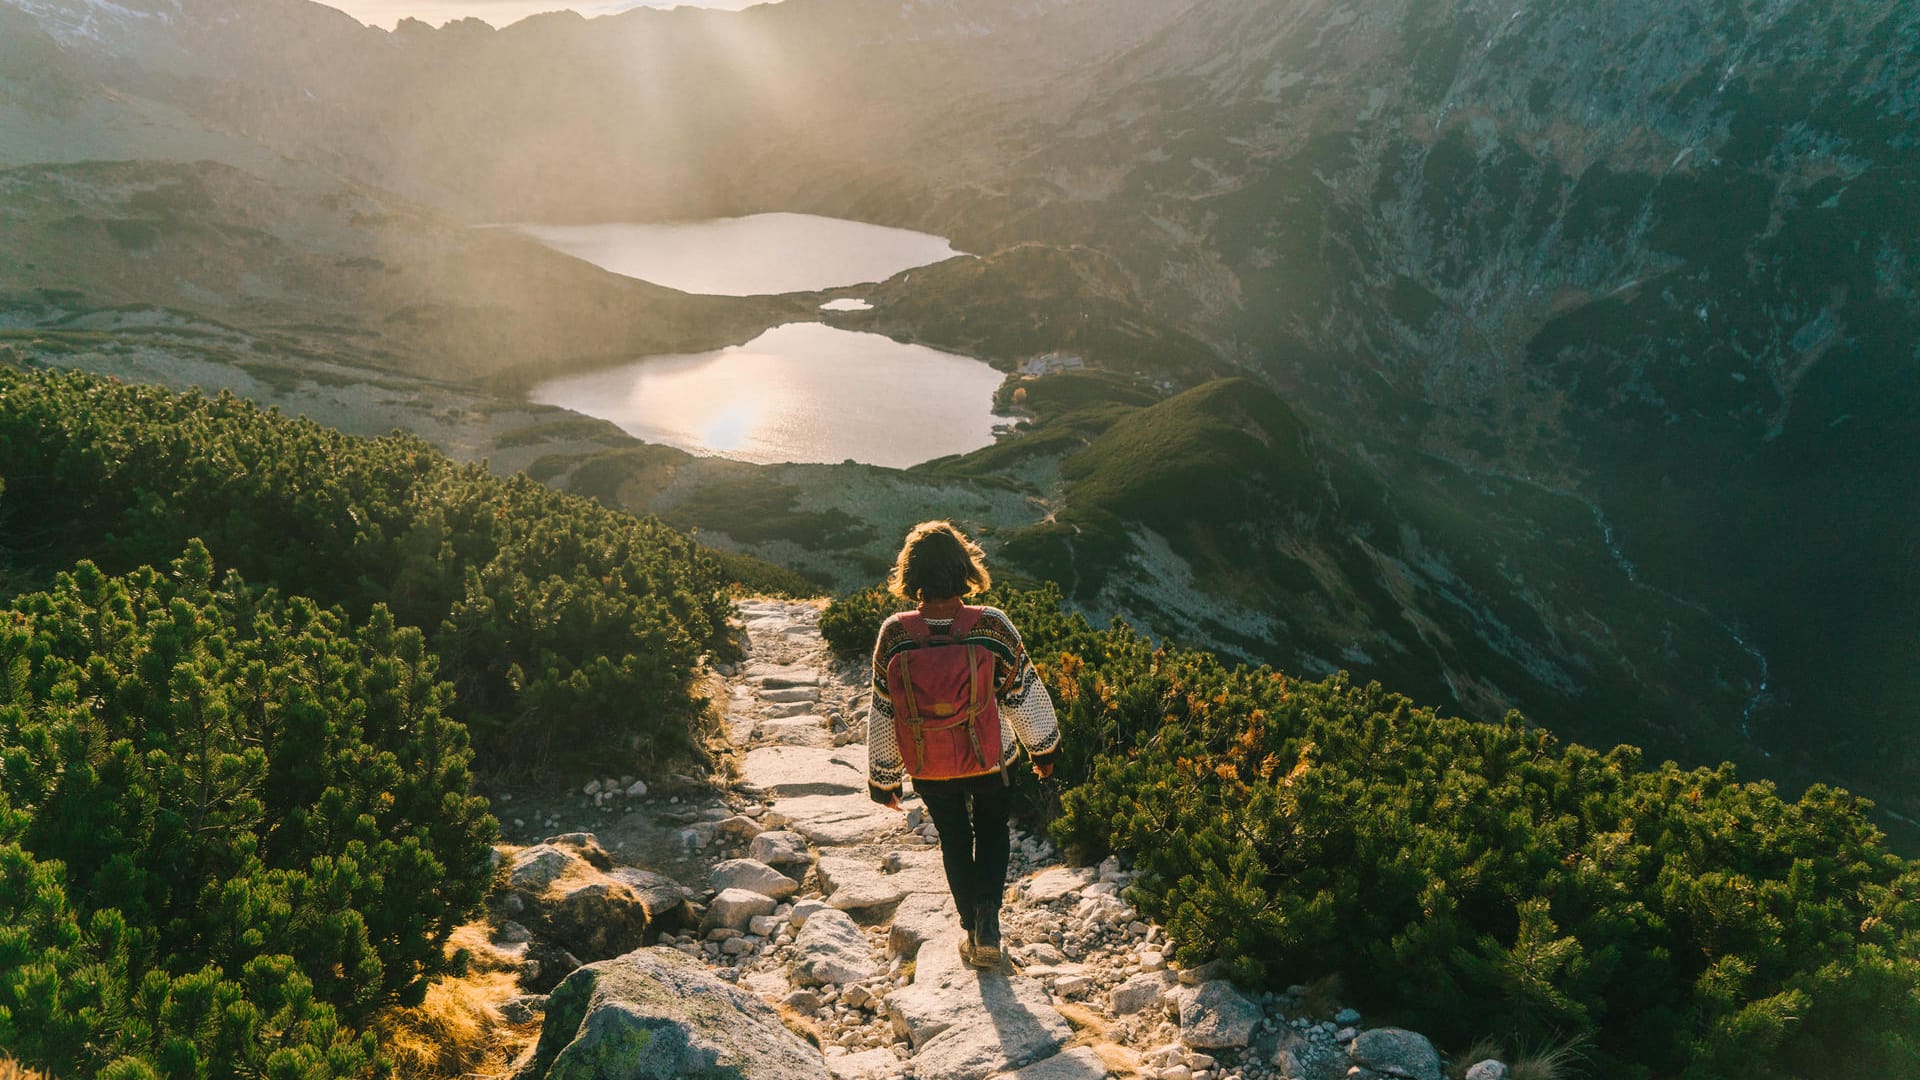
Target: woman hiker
[[954, 700]]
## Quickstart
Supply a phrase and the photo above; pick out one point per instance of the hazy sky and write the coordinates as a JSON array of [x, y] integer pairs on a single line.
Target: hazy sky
[[385, 13]]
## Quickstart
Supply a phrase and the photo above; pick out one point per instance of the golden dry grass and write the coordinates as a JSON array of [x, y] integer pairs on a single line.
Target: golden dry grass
[[13, 1070], [457, 1029]]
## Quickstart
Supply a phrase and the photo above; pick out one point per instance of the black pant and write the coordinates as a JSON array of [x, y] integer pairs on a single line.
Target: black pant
[[971, 815]]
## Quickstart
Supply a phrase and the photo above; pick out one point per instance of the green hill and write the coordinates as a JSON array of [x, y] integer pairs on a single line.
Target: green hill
[[561, 624]]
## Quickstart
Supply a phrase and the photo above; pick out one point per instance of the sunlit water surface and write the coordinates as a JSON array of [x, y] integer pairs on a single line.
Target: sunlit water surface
[[799, 392], [748, 256]]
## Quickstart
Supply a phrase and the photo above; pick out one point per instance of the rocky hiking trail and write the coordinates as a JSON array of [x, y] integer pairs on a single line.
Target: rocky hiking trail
[[828, 916]]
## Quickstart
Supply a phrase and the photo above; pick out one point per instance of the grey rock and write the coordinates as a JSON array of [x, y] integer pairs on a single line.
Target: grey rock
[[1396, 1052], [790, 694], [740, 728], [1490, 1069], [793, 771], [968, 1024], [733, 908], [584, 845], [779, 677], [783, 850], [525, 1009], [830, 821], [1205, 973], [806, 1001], [511, 933], [920, 918], [1347, 1017], [596, 919], [859, 885], [803, 730], [1303, 1059], [740, 827], [831, 949], [1019, 1025], [655, 1014], [1080, 1063], [804, 910], [540, 866], [865, 1065], [751, 875], [665, 898], [1141, 992], [1216, 1016], [1055, 882], [1039, 953]]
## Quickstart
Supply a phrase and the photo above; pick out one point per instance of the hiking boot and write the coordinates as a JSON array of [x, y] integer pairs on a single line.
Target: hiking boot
[[986, 938]]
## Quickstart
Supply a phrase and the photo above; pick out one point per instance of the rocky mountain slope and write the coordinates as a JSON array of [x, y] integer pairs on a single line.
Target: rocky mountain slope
[[1659, 259], [1638, 281]]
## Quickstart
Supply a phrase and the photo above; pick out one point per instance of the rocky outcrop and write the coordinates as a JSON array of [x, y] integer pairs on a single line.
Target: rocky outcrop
[[654, 1014], [577, 907], [1396, 1053]]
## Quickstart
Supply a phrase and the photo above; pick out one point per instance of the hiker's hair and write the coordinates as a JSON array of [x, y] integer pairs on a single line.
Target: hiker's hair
[[936, 562]]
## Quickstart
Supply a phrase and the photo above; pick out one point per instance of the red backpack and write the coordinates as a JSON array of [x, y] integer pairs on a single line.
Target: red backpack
[[945, 716]]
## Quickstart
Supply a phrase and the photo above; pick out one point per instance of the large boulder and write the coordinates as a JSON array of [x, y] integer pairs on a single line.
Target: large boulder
[[1216, 1016], [535, 868], [831, 949], [594, 919], [1397, 1052], [655, 1014], [665, 898], [560, 890]]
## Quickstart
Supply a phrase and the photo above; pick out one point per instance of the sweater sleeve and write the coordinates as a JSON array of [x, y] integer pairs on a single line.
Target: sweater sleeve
[[885, 770], [1025, 702]]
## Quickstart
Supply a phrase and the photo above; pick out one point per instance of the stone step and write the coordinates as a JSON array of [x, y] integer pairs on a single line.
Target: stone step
[[793, 693], [830, 820], [807, 730], [791, 771]]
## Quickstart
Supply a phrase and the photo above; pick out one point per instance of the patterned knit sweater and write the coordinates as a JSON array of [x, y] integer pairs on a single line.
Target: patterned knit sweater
[[1026, 711]]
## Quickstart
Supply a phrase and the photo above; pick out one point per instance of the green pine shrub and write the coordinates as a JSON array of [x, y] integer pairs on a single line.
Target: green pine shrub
[[1472, 879], [232, 826], [561, 623]]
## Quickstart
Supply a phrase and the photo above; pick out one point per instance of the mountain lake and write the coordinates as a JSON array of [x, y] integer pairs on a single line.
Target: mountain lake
[[748, 256], [801, 392]]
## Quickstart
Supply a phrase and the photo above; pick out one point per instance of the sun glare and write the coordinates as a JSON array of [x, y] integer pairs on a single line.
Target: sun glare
[[499, 13]]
